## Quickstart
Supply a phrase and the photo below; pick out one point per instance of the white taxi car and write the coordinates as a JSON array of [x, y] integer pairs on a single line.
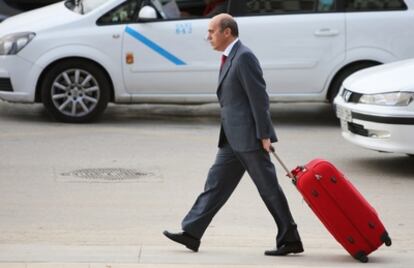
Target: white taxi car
[[75, 56], [376, 107]]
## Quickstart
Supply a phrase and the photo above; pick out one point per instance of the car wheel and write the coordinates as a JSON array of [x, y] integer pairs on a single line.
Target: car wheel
[[343, 74], [75, 91]]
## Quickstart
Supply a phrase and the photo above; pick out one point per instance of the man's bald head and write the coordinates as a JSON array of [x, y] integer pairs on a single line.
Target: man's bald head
[[225, 21], [222, 31]]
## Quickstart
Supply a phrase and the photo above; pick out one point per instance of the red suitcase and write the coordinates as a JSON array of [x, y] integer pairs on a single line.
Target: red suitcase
[[342, 209]]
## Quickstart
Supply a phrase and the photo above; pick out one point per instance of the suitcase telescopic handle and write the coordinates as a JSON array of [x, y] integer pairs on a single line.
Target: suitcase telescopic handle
[[288, 172]]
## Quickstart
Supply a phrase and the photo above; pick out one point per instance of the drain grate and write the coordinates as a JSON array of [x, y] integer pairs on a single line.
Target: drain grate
[[107, 174]]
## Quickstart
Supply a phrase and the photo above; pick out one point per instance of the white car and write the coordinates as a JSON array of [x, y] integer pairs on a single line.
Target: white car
[[76, 56], [376, 107]]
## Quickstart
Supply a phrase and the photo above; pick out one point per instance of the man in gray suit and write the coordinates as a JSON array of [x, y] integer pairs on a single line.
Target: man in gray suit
[[245, 141]]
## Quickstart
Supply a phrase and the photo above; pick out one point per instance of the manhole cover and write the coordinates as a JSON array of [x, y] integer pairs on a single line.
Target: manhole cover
[[107, 175]]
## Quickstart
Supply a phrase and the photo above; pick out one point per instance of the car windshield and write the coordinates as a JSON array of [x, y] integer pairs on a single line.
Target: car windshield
[[84, 6]]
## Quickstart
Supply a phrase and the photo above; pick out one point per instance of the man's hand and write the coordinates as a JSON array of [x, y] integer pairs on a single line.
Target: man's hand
[[266, 143]]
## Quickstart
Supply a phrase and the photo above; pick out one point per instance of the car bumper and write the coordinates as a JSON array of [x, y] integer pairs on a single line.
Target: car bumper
[[371, 127], [17, 79]]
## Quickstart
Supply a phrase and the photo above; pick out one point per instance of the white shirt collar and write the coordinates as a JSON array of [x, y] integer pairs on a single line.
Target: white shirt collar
[[227, 51]]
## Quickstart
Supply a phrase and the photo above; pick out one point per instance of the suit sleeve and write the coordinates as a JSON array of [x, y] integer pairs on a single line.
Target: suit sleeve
[[251, 77]]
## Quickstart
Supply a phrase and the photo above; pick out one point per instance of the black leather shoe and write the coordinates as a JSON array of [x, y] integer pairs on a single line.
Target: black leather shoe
[[290, 247], [184, 239]]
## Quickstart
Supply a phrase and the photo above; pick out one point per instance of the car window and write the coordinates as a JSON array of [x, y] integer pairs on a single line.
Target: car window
[[124, 13], [374, 5], [89, 5], [128, 11], [201, 8], [84, 6], [187, 9], [262, 7], [182, 9], [26, 4]]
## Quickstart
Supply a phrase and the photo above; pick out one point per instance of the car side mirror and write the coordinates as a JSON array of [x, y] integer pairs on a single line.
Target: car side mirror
[[147, 13]]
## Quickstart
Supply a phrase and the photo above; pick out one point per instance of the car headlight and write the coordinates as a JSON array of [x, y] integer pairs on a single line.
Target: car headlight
[[11, 44], [388, 99]]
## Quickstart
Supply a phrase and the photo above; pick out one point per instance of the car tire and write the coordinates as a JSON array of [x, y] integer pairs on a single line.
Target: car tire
[[75, 91], [343, 74]]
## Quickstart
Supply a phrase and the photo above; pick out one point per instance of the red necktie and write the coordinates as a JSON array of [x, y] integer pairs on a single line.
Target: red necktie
[[223, 60]]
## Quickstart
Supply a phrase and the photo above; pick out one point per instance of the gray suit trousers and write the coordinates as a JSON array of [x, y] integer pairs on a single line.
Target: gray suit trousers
[[224, 176]]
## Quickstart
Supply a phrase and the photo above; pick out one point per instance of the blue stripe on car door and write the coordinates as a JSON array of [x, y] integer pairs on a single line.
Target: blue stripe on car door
[[152, 45]]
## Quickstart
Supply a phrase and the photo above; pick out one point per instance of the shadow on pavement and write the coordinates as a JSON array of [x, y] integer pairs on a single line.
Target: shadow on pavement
[[30, 113], [289, 114], [400, 166], [304, 114]]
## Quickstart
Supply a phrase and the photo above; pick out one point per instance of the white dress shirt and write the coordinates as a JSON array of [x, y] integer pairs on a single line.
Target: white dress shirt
[[228, 49]]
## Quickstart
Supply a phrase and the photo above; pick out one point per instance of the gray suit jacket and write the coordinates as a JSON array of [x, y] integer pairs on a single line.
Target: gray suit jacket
[[245, 116]]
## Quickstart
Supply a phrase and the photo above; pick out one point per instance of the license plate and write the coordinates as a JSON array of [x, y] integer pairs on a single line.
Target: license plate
[[344, 113]]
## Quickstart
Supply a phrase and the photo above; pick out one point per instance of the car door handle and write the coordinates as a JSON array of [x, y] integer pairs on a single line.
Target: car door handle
[[326, 32]]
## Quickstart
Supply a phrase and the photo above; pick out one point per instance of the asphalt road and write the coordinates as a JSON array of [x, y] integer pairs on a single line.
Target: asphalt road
[[104, 192]]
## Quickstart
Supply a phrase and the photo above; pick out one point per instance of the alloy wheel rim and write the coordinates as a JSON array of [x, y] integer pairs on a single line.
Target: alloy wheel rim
[[75, 92]]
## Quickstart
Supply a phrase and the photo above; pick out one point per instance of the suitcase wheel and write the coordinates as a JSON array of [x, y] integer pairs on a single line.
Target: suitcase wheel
[[361, 256], [386, 239]]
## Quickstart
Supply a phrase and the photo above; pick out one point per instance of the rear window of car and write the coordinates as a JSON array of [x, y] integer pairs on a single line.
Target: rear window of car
[[257, 7], [374, 5], [262, 7]]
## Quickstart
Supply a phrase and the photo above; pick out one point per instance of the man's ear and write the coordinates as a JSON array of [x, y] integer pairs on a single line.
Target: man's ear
[[227, 32]]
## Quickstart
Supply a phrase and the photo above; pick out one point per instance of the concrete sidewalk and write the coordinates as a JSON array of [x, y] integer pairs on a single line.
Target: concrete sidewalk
[[172, 256], [59, 206]]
